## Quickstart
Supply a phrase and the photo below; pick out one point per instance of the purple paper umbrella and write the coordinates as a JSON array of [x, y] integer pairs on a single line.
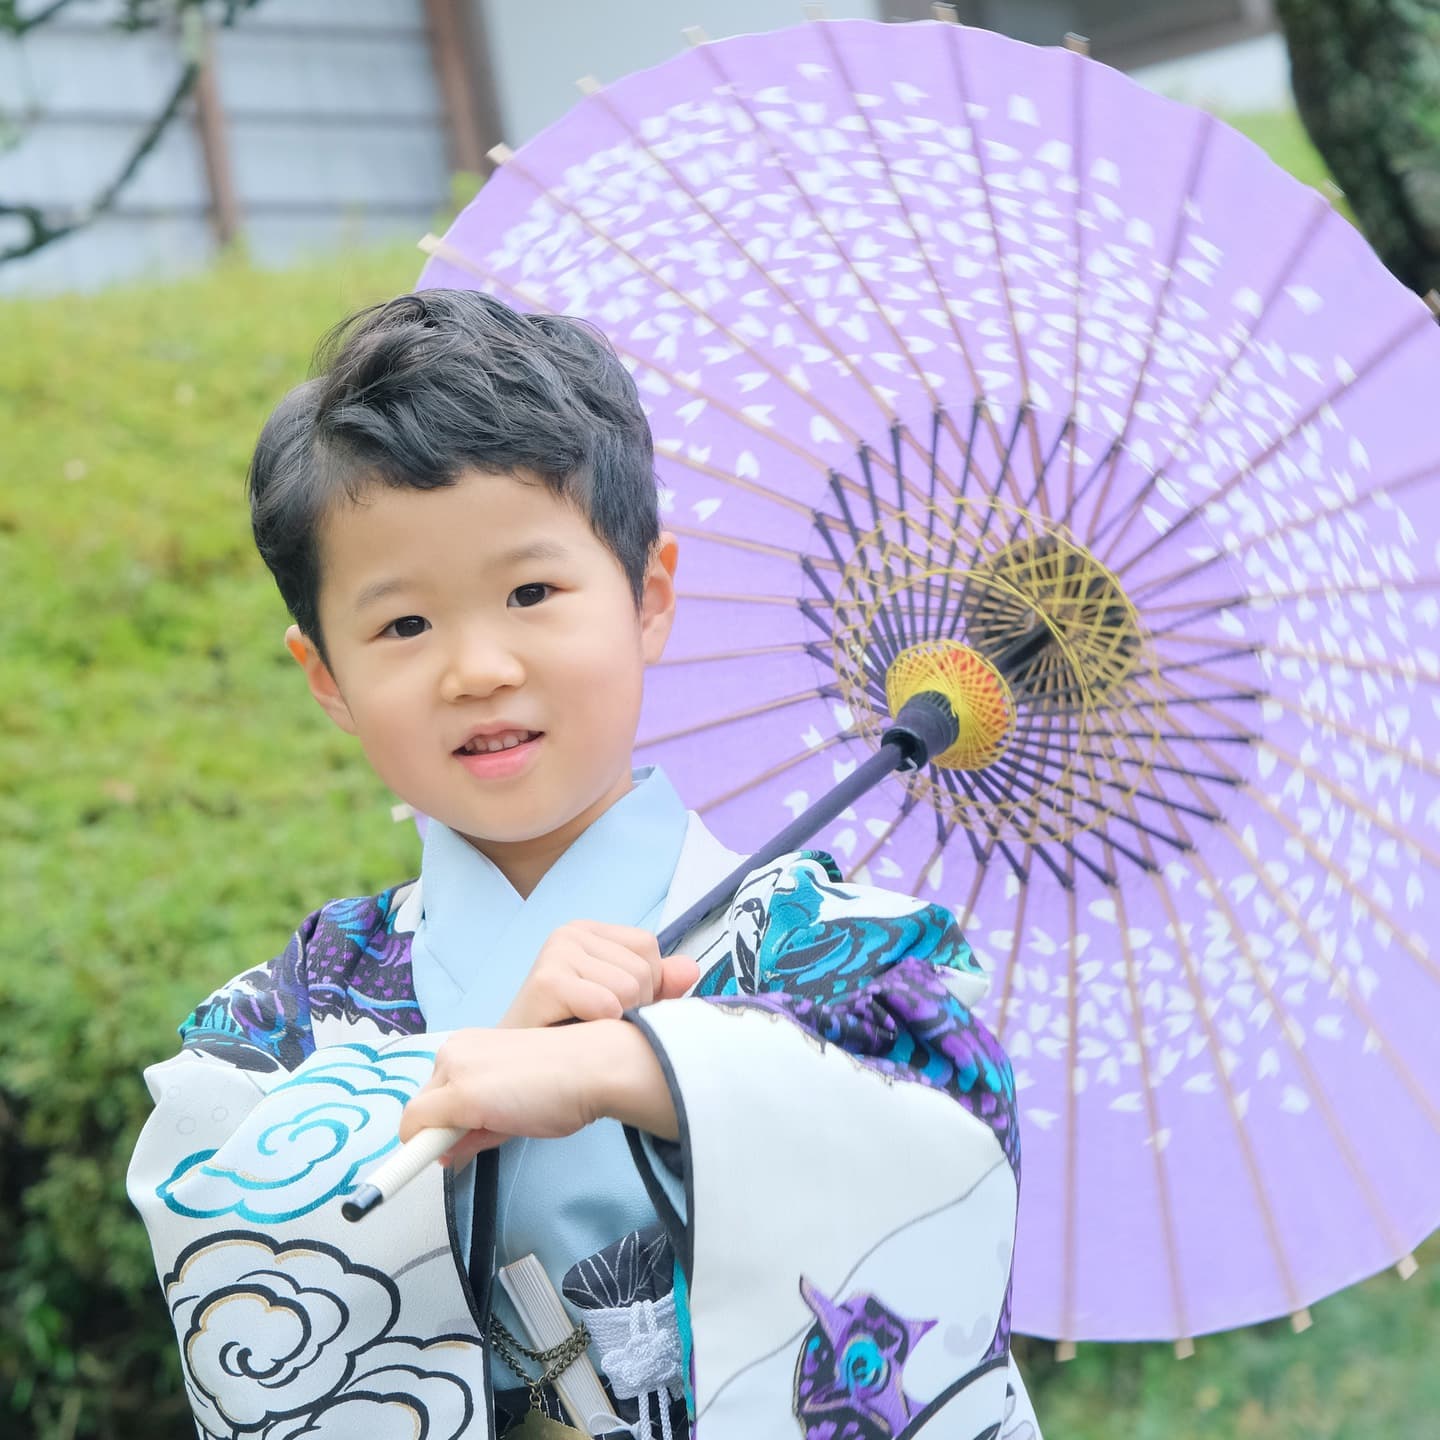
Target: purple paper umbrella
[[977, 362]]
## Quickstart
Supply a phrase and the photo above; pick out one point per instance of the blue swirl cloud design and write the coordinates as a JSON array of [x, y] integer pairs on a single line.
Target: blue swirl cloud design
[[304, 1145]]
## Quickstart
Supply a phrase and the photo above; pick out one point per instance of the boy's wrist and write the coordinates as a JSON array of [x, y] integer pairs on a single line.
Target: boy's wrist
[[625, 1078]]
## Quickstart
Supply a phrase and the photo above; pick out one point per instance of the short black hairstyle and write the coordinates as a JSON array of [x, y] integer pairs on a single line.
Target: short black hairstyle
[[414, 391]]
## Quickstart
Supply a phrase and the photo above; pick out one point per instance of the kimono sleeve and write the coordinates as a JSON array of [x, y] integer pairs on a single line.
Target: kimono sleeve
[[291, 1322], [850, 1168]]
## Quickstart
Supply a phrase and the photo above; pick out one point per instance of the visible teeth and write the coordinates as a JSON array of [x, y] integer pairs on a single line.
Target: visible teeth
[[480, 745]]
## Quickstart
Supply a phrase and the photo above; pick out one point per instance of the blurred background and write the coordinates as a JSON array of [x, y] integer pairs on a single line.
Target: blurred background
[[190, 193]]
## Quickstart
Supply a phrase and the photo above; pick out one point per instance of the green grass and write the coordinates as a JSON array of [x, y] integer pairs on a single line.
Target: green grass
[[172, 803]]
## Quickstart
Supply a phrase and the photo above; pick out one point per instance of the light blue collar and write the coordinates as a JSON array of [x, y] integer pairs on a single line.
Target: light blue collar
[[477, 938]]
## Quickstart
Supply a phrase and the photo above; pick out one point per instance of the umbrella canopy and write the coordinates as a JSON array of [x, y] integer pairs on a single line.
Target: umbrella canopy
[[973, 363]]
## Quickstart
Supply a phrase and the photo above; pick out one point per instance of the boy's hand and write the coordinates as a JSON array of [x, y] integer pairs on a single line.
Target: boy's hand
[[542, 1083], [591, 971]]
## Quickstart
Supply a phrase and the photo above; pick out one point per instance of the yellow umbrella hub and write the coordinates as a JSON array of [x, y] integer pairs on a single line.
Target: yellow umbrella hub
[[975, 690]]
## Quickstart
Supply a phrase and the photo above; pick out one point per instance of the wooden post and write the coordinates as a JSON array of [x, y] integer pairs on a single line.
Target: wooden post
[[210, 121], [461, 59]]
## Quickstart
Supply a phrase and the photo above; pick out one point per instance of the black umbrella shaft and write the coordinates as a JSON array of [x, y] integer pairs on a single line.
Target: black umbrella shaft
[[885, 761]]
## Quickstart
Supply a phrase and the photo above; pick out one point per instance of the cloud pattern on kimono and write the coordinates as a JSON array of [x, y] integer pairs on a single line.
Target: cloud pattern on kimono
[[285, 1341], [322, 1128]]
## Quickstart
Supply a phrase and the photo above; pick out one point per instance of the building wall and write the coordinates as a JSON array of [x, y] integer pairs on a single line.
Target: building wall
[[539, 50], [334, 129]]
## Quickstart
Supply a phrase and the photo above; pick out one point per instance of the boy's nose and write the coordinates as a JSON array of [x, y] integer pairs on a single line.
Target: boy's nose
[[479, 666]]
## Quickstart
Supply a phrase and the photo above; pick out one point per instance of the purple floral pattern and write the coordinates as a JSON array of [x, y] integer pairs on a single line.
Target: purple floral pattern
[[347, 961]]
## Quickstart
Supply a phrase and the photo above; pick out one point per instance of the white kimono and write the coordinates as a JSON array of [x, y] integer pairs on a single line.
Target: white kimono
[[826, 1252]]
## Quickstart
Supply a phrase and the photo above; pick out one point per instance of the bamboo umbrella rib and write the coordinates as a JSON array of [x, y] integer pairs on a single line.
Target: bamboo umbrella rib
[[448, 253], [779, 769], [907, 805], [1326, 720], [674, 454], [1245, 543], [735, 715], [796, 308], [817, 215], [1017, 933], [1315, 1089], [788, 601], [1068, 1248], [1183, 1331], [736, 542], [1348, 797], [954, 40], [1339, 985], [1204, 130], [1320, 212], [1402, 669], [802, 392], [1215, 1049], [1273, 1233], [1078, 72], [1379, 586], [924, 250], [1339, 981], [754, 652], [1372, 362]]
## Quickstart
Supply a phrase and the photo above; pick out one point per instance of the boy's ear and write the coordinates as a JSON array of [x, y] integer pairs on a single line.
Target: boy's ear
[[657, 599], [321, 681]]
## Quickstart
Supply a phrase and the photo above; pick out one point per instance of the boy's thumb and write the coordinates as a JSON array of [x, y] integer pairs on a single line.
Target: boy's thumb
[[678, 974]]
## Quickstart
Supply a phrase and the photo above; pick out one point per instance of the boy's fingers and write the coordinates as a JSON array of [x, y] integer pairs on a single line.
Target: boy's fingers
[[639, 942], [590, 1000], [644, 974], [464, 1151], [678, 976], [624, 984]]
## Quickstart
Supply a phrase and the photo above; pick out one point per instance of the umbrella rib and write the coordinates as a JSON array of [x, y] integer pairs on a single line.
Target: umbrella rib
[[802, 392], [906, 806], [779, 769], [941, 297], [1410, 943], [674, 454], [1377, 586], [1321, 211], [794, 647], [1212, 1040], [736, 542], [817, 216], [1326, 720], [1205, 129], [962, 89], [968, 446], [1287, 1027], [717, 222], [1077, 239], [1324, 782], [1378, 356], [1244, 544], [819, 693], [1017, 930], [1273, 1232], [1404, 669], [442, 250], [787, 600], [1152, 1115], [1069, 1249]]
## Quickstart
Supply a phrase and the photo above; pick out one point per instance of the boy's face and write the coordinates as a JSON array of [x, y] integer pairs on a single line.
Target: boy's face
[[487, 609]]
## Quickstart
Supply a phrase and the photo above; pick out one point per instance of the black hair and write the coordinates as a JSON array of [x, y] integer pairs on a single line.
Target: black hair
[[413, 392]]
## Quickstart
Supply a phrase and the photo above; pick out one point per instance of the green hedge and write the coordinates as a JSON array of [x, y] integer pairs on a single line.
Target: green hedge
[[172, 803]]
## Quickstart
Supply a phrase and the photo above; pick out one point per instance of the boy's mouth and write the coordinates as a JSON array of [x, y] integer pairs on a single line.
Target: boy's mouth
[[494, 743]]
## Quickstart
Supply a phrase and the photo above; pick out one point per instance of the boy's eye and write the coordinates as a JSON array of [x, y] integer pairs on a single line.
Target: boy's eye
[[526, 595], [407, 627]]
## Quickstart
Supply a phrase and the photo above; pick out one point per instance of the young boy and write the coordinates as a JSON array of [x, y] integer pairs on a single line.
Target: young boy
[[782, 1205]]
